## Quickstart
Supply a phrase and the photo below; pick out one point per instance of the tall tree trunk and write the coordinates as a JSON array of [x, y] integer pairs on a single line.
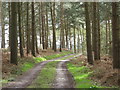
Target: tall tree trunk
[[106, 37], [66, 33], [115, 34], [43, 25], [9, 22], [53, 25], [81, 39], [61, 25], [116, 37], [3, 36], [98, 27], [33, 30], [36, 43], [70, 39], [13, 49], [22, 25], [95, 32], [110, 46], [47, 28], [78, 43], [20, 32], [74, 40], [88, 35], [40, 24], [28, 31]]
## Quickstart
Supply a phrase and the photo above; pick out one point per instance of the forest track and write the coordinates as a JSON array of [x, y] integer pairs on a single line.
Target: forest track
[[64, 78], [26, 79]]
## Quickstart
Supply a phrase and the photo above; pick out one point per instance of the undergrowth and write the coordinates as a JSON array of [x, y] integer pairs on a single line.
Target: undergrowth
[[81, 76]]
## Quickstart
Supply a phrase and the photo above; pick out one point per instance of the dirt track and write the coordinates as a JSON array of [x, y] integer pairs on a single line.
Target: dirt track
[[63, 78], [26, 79]]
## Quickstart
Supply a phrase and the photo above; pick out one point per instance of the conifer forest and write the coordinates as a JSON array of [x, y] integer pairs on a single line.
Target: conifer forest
[[60, 45]]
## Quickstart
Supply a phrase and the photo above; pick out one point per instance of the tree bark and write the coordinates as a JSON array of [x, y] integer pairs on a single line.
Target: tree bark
[[53, 25], [28, 31], [33, 30], [13, 49], [88, 35], [74, 40], [47, 28], [20, 32], [115, 34], [9, 22], [95, 32], [43, 25]]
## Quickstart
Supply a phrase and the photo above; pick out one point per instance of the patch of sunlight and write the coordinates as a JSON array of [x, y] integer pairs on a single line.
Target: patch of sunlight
[[80, 75], [39, 59], [27, 66], [76, 68], [83, 76], [3, 81]]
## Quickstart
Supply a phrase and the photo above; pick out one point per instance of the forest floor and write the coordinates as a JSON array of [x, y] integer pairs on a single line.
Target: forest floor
[[26, 79], [59, 70], [10, 71], [101, 73]]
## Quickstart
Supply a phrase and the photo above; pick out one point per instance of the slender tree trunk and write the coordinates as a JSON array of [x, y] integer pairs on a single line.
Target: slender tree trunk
[[22, 25], [78, 42], [53, 25], [61, 26], [70, 39], [33, 30], [66, 33], [81, 40], [3, 36], [47, 28], [106, 37], [110, 46], [9, 22], [40, 24], [95, 32], [36, 43], [28, 31], [98, 24], [20, 32], [74, 40], [88, 35], [13, 49], [43, 25]]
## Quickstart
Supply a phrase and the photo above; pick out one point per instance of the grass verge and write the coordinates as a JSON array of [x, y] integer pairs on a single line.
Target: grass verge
[[81, 76]]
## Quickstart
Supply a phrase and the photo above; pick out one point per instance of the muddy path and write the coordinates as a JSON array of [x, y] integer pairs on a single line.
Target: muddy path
[[64, 78], [26, 79]]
